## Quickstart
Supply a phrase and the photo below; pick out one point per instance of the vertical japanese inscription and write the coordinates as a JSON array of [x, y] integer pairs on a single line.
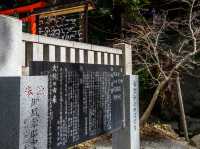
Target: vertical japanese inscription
[[33, 112], [84, 101], [134, 111]]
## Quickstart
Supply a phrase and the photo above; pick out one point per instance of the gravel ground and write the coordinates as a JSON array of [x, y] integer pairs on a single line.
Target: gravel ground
[[151, 144], [164, 144]]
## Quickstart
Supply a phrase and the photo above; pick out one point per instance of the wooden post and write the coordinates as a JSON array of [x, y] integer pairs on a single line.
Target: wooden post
[[86, 22], [182, 108]]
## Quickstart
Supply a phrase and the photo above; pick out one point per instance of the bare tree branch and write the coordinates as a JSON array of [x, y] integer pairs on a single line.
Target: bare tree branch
[[161, 59]]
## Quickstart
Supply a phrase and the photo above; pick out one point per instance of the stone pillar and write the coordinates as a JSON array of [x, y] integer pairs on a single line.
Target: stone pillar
[[10, 46], [129, 136], [126, 57]]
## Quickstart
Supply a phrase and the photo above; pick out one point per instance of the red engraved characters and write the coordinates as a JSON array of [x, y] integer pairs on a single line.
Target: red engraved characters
[[40, 91], [28, 91]]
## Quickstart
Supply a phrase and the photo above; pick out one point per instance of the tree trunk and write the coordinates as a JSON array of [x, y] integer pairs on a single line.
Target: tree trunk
[[184, 123], [150, 107]]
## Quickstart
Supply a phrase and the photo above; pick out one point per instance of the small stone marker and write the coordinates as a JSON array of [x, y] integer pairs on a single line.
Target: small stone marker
[[23, 112], [129, 137], [33, 112]]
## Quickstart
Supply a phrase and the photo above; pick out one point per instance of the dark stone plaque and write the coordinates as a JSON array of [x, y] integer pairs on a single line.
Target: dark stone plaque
[[84, 101]]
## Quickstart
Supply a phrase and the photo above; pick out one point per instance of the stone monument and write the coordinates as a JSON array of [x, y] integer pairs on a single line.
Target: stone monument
[[23, 112], [10, 46]]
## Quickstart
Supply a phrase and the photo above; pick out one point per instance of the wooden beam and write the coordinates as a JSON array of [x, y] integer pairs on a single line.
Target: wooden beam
[[70, 10], [23, 9]]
